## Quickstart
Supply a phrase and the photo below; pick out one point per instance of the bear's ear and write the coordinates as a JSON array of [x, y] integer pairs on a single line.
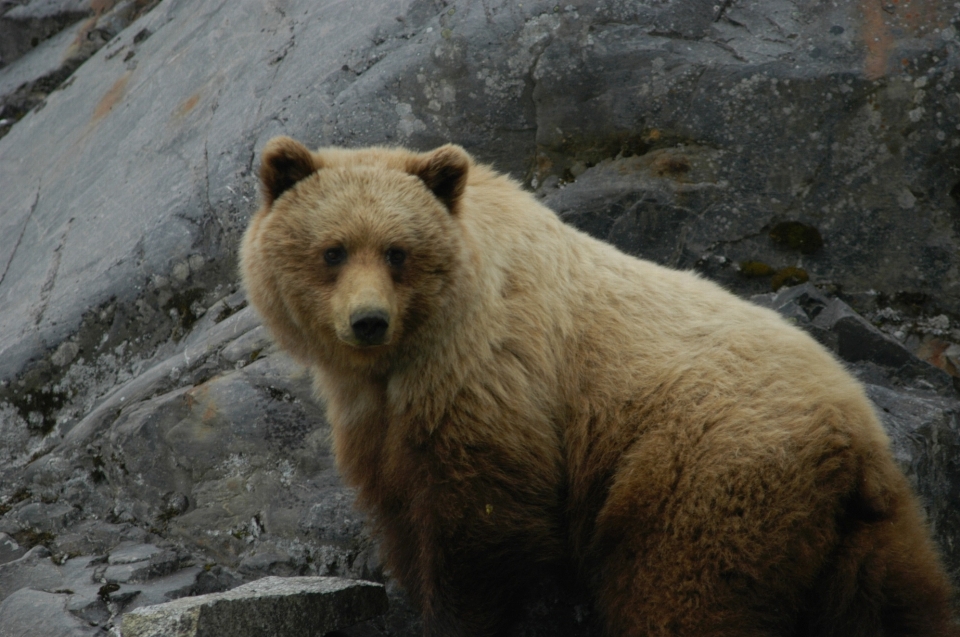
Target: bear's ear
[[444, 171], [283, 163]]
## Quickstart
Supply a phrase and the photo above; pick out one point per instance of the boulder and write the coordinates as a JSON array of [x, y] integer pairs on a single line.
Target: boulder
[[284, 607]]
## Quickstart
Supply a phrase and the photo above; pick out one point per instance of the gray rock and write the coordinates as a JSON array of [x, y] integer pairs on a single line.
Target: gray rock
[[721, 109], [128, 553], [925, 433], [858, 340], [182, 228], [140, 564], [40, 517], [9, 549], [162, 377], [26, 83], [24, 27], [189, 581], [854, 339], [288, 607], [248, 347], [267, 557], [802, 304], [212, 444], [95, 537], [333, 516], [32, 613], [34, 570], [79, 573], [99, 592], [522, 74], [96, 589]]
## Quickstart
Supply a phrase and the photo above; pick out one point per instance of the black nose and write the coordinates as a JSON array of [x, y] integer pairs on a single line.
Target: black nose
[[370, 327]]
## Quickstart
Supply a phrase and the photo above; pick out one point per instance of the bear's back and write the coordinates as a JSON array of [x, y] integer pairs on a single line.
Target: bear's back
[[632, 331]]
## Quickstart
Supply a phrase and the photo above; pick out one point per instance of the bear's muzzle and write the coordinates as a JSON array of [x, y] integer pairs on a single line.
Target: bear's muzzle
[[370, 326]]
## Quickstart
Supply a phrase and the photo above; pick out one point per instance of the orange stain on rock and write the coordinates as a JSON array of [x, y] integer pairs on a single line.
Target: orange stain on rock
[[188, 105], [885, 22], [198, 398], [99, 8], [210, 413], [877, 38], [112, 97], [934, 351], [81, 38]]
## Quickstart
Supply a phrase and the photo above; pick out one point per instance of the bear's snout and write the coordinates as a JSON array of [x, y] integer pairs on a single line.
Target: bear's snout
[[370, 326]]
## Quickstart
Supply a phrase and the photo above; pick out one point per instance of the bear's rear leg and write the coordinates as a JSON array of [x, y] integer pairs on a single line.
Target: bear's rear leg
[[658, 608], [762, 548], [899, 591], [885, 580]]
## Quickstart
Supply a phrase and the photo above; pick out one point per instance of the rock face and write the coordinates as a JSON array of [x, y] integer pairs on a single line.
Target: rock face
[[765, 144]]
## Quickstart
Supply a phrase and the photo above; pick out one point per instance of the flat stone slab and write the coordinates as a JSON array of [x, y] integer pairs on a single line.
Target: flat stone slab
[[30, 612], [269, 607]]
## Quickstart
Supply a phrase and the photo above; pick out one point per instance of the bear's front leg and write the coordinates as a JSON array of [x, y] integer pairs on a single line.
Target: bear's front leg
[[467, 542], [473, 570], [461, 587], [470, 598]]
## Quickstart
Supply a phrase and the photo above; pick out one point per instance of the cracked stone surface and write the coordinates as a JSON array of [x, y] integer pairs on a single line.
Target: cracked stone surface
[[154, 440]]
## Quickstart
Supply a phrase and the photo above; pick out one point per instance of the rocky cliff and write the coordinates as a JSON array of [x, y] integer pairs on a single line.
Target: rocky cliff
[[155, 444]]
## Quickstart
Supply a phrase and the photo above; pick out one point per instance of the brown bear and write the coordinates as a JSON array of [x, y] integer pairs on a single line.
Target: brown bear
[[508, 394]]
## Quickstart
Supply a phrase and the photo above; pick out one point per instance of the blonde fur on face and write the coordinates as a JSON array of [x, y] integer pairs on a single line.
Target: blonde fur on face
[[536, 399]]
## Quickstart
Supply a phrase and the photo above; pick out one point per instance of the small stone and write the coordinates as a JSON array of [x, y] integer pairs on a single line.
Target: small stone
[[578, 169], [181, 271], [65, 354], [196, 262], [906, 199]]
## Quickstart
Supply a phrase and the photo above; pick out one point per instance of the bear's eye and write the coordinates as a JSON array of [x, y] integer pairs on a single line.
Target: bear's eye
[[396, 257], [335, 256]]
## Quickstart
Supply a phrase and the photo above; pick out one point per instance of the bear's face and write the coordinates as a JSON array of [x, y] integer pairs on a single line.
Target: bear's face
[[352, 251]]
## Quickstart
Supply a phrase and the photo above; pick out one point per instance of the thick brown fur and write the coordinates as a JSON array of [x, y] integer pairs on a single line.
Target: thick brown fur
[[541, 398]]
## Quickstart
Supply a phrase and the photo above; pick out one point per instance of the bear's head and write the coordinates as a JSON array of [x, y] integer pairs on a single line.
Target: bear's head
[[353, 251]]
